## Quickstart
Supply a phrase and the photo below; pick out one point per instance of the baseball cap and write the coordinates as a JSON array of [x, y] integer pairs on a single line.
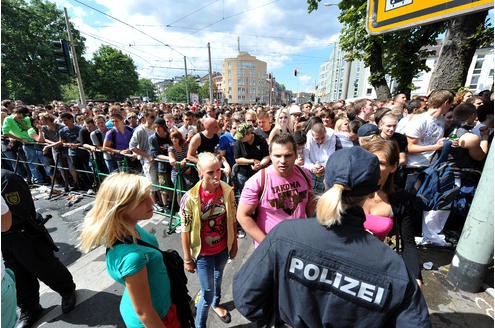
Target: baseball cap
[[243, 130], [367, 130], [354, 168], [294, 109]]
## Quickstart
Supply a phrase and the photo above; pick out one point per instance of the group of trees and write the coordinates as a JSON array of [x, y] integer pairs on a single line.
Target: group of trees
[[29, 68], [402, 54]]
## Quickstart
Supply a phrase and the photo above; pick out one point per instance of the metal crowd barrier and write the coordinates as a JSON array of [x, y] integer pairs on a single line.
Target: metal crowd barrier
[[98, 177]]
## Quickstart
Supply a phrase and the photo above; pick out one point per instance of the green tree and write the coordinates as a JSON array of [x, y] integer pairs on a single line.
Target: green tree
[[401, 55], [176, 92], [146, 89], [115, 74], [465, 34], [204, 90], [29, 69]]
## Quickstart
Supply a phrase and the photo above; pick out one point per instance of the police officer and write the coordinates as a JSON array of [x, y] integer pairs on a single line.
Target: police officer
[[330, 271], [29, 251]]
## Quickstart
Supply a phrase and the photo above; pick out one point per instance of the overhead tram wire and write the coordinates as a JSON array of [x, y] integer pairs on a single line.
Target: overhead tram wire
[[228, 17], [191, 13], [129, 25], [116, 46]]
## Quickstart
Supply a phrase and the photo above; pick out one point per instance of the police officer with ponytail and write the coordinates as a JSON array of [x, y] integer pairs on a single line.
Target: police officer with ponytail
[[329, 271]]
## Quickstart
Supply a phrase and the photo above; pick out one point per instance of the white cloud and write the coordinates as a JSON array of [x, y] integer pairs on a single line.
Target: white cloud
[[278, 32]]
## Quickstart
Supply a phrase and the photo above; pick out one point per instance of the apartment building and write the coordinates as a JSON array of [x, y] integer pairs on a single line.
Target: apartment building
[[340, 79], [245, 80]]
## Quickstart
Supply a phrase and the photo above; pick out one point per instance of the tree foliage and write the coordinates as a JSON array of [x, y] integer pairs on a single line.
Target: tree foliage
[[146, 89], [29, 69], [176, 92], [401, 55], [115, 73], [204, 90]]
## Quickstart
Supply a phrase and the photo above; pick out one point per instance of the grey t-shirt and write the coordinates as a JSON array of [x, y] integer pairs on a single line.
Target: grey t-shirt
[[52, 135]]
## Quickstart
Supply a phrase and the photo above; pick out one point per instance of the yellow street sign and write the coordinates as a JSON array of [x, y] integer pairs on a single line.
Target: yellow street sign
[[392, 15]]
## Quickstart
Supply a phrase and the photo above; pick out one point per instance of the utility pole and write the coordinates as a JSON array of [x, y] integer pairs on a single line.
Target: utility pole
[[74, 58], [185, 80], [210, 75], [474, 251]]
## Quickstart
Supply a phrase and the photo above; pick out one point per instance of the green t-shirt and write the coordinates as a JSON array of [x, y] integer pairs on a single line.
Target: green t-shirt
[[128, 259], [11, 126]]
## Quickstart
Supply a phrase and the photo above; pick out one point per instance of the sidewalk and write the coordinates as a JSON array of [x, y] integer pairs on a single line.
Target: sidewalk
[[99, 296]]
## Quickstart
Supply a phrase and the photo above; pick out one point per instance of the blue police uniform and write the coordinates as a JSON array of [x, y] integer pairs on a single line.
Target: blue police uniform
[[28, 250], [307, 275]]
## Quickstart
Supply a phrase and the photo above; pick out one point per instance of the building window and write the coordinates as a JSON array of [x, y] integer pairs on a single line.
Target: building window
[[229, 73], [368, 91], [229, 64]]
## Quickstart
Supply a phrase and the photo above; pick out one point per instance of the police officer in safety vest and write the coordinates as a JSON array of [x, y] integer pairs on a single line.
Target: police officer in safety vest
[[28, 251], [329, 271]]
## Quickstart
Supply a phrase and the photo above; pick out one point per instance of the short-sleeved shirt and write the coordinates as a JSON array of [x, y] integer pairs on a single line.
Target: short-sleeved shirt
[[282, 198], [213, 222], [257, 150], [53, 135], [428, 131], [227, 143], [401, 141], [71, 136], [128, 259], [11, 126], [120, 141]]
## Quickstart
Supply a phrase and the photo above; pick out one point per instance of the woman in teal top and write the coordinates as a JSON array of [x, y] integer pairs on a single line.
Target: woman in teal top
[[122, 201]]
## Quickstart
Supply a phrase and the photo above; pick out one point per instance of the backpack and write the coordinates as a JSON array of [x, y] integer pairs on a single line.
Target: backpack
[[178, 282], [438, 190]]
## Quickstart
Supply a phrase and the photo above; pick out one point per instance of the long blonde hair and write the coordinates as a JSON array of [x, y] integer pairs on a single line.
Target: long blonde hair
[[105, 222], [333, 204]]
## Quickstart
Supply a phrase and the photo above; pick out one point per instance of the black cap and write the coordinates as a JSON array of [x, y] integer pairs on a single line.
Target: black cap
[[160, 121], [367, 130], [354, 168]]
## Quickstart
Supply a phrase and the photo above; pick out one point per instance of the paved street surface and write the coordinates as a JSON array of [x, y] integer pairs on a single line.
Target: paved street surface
[[99, 296]]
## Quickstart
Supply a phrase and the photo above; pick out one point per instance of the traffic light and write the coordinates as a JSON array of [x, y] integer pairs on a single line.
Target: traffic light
[[62, 56], [295, 72], [270, 76]]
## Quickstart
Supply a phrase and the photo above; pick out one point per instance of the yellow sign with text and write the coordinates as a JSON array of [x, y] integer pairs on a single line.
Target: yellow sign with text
[[392, 15]]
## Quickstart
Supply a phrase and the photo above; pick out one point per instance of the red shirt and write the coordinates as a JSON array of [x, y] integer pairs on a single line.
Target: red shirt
[[213, 222]]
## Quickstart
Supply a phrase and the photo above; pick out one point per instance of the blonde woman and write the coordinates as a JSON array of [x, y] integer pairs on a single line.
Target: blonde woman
[[122, 201], [207, 214], [281, 124], [303, 270]]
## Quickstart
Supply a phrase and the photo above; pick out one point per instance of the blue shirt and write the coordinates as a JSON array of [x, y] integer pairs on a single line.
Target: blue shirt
[[128, 259], [227, 143]]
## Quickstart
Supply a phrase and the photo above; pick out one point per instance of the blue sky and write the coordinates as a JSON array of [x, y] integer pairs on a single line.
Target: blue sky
[[158, 34]]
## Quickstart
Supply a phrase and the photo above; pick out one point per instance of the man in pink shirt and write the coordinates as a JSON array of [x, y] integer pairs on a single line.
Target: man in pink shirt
[[284, 193]]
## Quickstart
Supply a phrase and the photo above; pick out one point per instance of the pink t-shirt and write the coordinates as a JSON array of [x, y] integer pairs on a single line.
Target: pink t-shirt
[[283, 198], [380, 226], [213, 227]]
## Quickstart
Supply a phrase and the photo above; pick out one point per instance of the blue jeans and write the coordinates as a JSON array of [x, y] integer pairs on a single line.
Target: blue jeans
[[35, 156], [111, 165], [210, 271]]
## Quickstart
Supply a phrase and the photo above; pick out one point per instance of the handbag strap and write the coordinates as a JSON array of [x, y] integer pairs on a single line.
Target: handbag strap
[[139, 241]]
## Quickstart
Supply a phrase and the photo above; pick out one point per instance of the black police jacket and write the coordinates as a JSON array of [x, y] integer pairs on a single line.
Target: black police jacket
[[307, 275]]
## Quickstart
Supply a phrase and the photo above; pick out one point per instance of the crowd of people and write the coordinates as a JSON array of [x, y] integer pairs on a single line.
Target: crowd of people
[[353, 166]]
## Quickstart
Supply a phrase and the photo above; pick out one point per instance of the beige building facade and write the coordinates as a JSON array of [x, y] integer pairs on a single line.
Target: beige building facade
[[245, 80]]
